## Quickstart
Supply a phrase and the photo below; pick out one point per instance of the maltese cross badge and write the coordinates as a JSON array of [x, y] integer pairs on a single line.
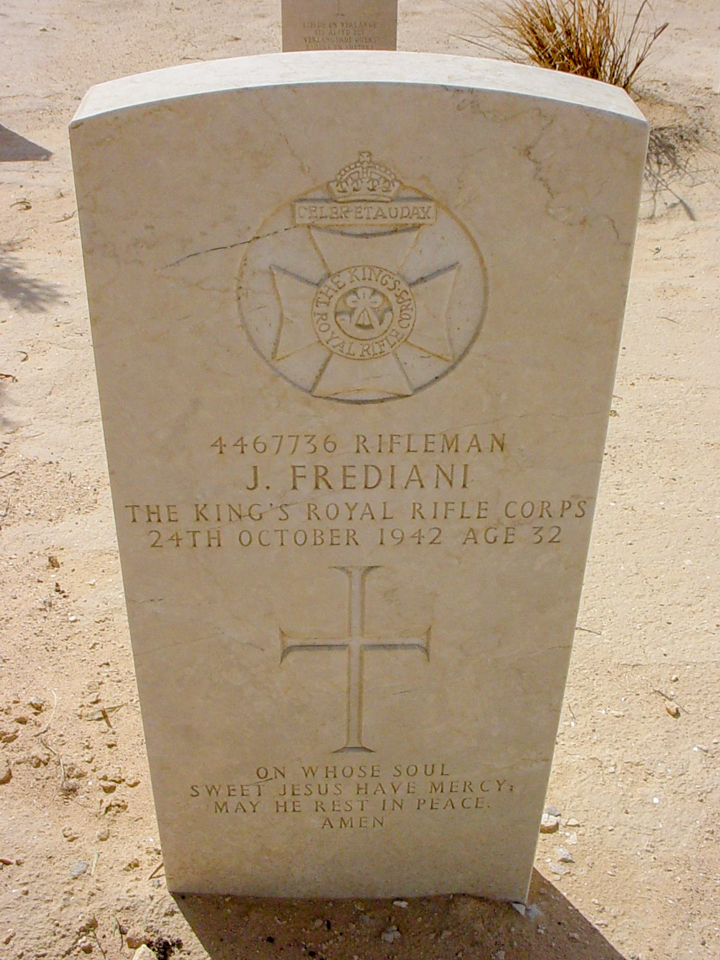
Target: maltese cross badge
[[364, 289]]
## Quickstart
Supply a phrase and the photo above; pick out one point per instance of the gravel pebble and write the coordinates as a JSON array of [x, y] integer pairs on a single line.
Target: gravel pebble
[[8, 734], [144, 953], [390, 935], [78, 869], [135, 939], [5, 772], [549, 823]]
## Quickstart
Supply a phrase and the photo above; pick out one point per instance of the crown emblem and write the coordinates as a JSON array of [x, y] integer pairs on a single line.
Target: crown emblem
[[364, 180]]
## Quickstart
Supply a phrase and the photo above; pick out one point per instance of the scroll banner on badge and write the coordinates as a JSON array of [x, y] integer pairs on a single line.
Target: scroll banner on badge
[[397, 213]]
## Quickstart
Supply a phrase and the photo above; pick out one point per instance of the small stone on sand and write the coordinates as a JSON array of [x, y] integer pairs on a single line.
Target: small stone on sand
[[144, 953], [549, 823]]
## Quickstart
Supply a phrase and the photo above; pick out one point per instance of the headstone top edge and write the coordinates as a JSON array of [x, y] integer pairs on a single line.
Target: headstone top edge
[[353, 66]]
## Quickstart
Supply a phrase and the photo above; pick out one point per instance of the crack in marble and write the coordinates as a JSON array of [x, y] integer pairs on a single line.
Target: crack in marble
[[527, 152], [229, 246]]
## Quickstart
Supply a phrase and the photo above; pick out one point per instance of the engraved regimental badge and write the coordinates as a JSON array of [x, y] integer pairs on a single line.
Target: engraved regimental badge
[[364, 289]]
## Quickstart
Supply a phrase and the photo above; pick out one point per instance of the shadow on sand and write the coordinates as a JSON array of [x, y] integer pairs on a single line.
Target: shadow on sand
[[18, 288], [436, 928], [14, 148], [19, 291]]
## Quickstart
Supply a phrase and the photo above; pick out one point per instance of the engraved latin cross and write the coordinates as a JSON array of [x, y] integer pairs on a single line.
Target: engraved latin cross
[[356, 643]]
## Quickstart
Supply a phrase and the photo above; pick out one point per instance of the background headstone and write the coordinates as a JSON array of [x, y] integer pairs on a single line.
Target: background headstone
[[355, 342], [339, 24]]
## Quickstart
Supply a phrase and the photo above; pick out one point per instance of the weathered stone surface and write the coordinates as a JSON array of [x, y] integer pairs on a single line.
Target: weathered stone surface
[[339, 24], [355, 318]]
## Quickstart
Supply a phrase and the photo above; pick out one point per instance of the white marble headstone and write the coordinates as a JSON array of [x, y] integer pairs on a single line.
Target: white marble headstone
[[356, 317]]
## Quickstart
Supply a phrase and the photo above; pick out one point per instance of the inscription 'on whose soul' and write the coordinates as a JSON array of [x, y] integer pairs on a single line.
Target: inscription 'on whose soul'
[[353, 796]]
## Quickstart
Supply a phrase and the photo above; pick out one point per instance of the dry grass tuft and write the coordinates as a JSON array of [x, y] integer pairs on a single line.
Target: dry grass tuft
[[591, 38]]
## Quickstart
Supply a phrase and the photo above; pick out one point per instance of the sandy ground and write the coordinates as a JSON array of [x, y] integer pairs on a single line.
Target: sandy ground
[[80, 866]]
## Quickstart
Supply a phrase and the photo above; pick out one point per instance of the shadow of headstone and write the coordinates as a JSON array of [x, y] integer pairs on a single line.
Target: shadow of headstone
[[14, 147], [438, 927], [18, 288]]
